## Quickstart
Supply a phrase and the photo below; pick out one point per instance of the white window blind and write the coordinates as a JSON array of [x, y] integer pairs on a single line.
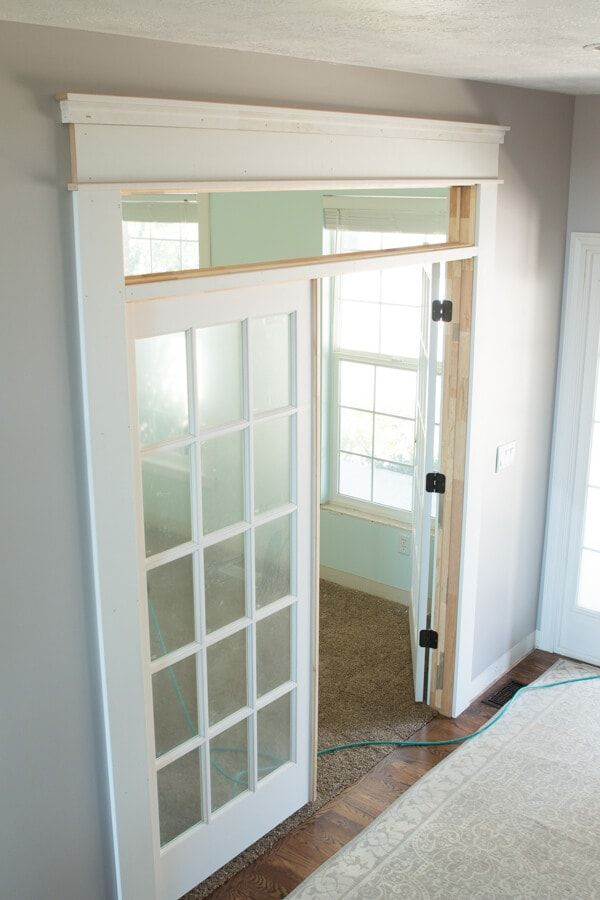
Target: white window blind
[[411, 215], [167, 233], [150, 208]]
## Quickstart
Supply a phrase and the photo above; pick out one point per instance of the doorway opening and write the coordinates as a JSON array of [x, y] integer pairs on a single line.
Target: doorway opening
[[378, 390], [380, 431], [220, 456]]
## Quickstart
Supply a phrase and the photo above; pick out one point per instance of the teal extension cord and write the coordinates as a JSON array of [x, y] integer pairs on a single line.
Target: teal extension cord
[[240, 777], [465, 737]]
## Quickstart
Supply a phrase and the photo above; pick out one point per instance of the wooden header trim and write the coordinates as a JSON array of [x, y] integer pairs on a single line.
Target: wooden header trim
[[297, 184], [293, 263], [96, 109]]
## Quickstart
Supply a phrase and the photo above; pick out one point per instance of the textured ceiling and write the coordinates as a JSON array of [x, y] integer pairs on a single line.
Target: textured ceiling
[[532, 43]]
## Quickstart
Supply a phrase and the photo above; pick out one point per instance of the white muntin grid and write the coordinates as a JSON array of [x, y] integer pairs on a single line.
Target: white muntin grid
[[195, 548]]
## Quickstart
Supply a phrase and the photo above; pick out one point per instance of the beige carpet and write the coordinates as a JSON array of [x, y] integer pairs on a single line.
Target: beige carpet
[[365, 692], [511, 814]]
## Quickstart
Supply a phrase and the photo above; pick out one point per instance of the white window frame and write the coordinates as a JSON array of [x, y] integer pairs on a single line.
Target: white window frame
[[411, 214], [148, 213], [345, 501]]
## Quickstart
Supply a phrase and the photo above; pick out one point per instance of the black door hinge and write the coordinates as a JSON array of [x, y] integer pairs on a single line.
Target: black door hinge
[[441, 310], [428, 639], [435, 483]]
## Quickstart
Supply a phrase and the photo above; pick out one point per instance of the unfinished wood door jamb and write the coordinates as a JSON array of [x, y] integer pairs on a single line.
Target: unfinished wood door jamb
[[457, 350]]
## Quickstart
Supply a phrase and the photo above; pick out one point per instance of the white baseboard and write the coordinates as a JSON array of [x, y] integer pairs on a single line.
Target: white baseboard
[[366, 585], [540, 643], [498, 668]]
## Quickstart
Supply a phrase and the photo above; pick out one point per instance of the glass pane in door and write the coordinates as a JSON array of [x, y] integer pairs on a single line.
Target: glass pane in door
[[162, 387], [219, 364], [226, 675], [171, 606], [229, 764], [589, 580], [175, 701], [271, 363], [223, 463], [166, 476], [179, 796], [588, 596], [273, 651], [274, 735], [225, 582], [273, 543], [272, 464], [219, 506]]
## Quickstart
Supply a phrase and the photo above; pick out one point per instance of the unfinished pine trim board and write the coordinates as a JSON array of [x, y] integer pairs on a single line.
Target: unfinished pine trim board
[[457, 345], [483, 317], [283, 184], [318, 267], [265, 266]]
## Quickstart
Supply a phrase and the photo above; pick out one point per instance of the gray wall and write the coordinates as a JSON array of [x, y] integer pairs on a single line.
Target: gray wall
[[584, 200], [53, 817]]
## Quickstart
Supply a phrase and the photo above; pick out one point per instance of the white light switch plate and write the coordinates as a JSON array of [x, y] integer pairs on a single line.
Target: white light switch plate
[[505, 456], [404, 547]]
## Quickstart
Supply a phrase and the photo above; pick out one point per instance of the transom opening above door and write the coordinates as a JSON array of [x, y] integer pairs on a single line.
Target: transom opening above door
[[168, 233]]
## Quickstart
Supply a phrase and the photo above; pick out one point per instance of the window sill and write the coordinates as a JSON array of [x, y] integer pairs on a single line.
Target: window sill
[[339, 509]]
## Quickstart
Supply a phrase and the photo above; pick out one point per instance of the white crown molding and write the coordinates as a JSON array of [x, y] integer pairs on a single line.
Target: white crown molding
[[96, 109]]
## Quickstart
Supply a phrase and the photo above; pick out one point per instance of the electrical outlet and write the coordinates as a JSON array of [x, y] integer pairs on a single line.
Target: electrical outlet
[[404, 547], [505, 455]]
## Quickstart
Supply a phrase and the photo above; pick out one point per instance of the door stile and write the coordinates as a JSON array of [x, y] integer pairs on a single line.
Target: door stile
[[112, 497], [316, 374]]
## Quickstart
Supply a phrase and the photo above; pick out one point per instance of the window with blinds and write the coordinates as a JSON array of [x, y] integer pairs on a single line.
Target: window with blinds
[[165, 233], [365, 222]]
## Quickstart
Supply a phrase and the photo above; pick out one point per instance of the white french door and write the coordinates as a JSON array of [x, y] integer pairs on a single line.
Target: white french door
[[571, 584], [424, 464], [199, 439], [579, 618], [222, 397]]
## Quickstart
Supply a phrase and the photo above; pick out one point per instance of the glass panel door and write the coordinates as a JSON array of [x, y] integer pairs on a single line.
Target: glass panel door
[[224, 462], [424, 464]]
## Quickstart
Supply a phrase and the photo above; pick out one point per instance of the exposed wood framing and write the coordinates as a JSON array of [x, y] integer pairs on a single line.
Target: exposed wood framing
[[292, 263], [457, 350]]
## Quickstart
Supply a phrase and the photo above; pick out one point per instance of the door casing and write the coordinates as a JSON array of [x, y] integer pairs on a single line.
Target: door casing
[[105, 156]]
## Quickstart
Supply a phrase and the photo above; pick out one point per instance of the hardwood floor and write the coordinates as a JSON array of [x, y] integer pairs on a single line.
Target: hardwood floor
[[299, 853]]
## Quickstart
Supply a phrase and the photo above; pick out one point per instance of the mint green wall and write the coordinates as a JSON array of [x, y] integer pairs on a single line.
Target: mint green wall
[[264, 225], [250, 227], [364, 548]]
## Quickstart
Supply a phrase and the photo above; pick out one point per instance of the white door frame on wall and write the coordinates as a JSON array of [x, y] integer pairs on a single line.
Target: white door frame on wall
[[575, 397], [125, 145]]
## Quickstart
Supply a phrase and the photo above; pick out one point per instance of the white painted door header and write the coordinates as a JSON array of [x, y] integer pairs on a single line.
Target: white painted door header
[[138, 142]]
